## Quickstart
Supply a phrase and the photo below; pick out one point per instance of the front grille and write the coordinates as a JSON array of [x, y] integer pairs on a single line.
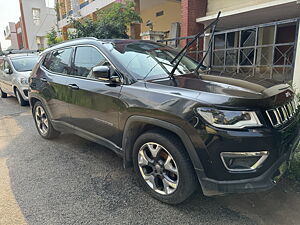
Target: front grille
[[283, 114]]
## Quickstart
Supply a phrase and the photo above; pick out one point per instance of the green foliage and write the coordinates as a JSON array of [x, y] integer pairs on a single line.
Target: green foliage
[[112, 22], [53, 38], [294, 172]]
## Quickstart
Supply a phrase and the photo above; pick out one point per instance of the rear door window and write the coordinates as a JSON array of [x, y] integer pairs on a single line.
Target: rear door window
[[59, 61], [86, 58]]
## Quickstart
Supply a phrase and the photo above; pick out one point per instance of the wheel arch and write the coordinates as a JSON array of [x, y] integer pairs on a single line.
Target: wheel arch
[[33, 100], [15, 88], [135, 125]]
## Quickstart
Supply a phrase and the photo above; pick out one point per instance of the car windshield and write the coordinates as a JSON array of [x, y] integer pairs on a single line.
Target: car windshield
[[23, 64], [148, 61]]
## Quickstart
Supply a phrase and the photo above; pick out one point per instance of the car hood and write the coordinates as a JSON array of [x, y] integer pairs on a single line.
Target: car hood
[[24, 74], [227, 91]]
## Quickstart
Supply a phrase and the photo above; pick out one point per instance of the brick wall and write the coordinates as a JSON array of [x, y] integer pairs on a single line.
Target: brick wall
[[190, 11], [19, 35]]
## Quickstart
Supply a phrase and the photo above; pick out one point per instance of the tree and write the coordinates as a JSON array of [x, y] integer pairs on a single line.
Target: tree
[[112, 22], [52, 37]]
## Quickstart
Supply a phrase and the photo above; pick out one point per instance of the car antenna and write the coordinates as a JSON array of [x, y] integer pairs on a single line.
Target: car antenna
[[182, 53]]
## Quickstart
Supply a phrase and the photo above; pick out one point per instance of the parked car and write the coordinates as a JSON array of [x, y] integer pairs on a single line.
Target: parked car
[[179, 131], [15, 70]]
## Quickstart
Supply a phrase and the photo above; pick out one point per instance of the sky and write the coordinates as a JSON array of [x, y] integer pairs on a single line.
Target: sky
[[10, 12]]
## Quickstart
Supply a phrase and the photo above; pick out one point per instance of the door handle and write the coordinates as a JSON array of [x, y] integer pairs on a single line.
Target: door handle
[[73, 86], [43, 79]]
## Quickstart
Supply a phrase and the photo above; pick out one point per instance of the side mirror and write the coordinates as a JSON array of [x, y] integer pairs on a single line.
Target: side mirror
[[101, 72], [7, 71]]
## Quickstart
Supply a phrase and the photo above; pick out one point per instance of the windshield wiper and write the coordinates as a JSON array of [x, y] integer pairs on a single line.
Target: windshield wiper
[[182, 53]]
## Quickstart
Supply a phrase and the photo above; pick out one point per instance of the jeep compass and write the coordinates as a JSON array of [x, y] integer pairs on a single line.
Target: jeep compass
[[180, 128]]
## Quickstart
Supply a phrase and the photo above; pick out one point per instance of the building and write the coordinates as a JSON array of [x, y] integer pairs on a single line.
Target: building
[[78, 9], [153, 11], [254, 37], [10, 33], [35, 22], [19, 34]]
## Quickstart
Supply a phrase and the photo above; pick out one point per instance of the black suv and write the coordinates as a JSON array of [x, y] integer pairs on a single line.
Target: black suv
[[177, 126]]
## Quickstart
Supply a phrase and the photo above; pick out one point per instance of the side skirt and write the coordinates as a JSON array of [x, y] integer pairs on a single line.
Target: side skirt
[[68, 128]]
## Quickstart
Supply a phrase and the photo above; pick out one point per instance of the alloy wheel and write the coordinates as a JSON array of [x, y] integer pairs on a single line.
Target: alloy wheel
[[158, 168], [41, 120]]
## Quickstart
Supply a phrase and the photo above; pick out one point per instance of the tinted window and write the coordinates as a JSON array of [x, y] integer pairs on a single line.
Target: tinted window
[[46, 61], [58, 61], [25, 63], [6, 65], [85, 59]]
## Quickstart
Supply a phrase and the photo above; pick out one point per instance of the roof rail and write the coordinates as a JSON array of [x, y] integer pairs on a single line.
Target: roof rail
[[82, 38], [15, 51]]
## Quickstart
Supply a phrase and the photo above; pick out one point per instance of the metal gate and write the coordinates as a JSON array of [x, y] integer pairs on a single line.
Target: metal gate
[[264, 50]]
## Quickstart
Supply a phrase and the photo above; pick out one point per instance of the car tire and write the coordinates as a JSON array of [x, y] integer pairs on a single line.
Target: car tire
[[20, 98], [173, 177], [43, 122], [2, 94]]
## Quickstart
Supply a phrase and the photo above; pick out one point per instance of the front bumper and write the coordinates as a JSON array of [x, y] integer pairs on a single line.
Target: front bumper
[[265, 181], [281, 144]]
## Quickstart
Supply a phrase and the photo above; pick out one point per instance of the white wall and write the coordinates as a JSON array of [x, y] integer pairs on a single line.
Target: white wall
[[213, 6], [47, 21], [11, 34], [296, 78]]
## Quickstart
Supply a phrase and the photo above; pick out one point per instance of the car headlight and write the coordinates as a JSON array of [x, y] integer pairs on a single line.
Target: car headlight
[[24, 80], [229, 119]]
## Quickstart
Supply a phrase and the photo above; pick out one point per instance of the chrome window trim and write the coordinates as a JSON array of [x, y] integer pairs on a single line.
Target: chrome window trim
[[72, 57], [50, 52]]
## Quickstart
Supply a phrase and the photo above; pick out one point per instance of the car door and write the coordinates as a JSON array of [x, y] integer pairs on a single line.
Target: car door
[[2, 74], [53, 78], [7, 78], [95, 104]]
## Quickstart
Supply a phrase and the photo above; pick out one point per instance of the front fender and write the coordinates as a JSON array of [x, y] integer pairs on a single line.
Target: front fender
[[134, 121]]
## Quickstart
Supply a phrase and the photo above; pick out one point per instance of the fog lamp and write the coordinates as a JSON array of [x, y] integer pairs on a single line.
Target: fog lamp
[[243, 161]]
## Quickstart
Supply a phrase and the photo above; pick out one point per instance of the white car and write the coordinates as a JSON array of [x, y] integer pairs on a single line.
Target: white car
[[15, 70]]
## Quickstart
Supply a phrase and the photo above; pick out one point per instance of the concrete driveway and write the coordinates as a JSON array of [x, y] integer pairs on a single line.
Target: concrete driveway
[[73, 181]]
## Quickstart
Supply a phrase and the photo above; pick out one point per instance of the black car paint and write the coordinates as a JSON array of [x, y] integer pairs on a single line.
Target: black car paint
[[115, 114]]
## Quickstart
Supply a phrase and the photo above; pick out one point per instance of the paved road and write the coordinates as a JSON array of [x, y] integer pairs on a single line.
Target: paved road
[[73, 181]]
